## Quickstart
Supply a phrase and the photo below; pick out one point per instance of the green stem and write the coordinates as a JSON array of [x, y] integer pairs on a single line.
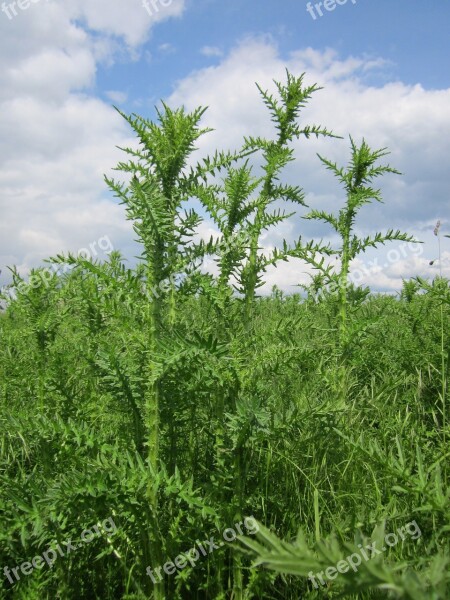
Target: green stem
[[238, 585], [152, 403], [252, 268], [343, 283]]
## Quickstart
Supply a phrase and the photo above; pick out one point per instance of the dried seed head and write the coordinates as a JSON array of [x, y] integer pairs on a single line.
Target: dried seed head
[[436, 229]]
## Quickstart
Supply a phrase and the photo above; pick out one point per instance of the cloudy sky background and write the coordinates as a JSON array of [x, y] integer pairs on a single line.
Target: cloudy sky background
[[63, 63]]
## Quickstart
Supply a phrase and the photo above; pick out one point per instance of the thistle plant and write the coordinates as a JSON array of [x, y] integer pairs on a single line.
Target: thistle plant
[[160, 183], [241, 208], [277, 154], [356, 179]]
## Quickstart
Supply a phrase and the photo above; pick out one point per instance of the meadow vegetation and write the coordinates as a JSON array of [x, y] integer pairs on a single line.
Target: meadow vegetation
[[177, 403]]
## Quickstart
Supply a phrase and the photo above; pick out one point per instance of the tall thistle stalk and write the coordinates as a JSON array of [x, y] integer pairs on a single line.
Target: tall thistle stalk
[[356, 179], [240, 208], [153, 200], [277, 154]]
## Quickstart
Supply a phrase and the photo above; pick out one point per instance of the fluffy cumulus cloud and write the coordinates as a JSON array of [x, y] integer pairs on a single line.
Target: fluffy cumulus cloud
[[57, 138], [412, 122]]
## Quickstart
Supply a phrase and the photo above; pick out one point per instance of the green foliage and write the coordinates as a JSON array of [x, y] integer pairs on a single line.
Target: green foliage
[[178, 403]]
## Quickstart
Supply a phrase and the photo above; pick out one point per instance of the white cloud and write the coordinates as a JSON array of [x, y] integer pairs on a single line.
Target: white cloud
[[56, 138], [211, 51], [116, 96], [130, 20], [166, 48]]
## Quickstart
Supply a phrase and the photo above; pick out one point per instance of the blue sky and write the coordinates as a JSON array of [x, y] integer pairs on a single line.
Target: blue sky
[[385, 71], [413, 38]]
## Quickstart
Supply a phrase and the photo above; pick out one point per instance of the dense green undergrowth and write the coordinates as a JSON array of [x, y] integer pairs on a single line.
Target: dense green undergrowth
[[176, 405]]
